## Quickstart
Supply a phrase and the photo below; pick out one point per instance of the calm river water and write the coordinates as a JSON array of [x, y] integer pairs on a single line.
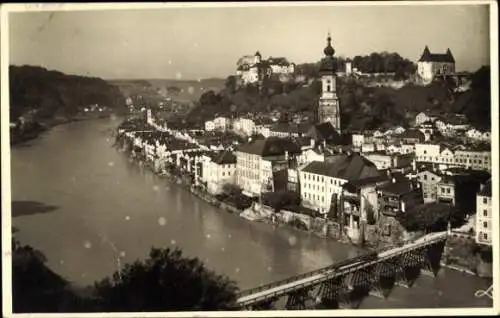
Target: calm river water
[[89, 209]]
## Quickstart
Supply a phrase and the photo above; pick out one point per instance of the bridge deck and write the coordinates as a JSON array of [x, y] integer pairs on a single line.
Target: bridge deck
[[328, 274]]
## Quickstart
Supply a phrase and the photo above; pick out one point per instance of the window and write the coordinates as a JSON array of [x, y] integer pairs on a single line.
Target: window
[[485, 236], [328, 88], [448, 190], [485, 212], [485, 200], [485, 225], [425, 177], [223, 174], [442, 190]]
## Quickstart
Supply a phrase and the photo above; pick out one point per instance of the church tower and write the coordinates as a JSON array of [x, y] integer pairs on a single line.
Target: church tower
[[328, 108]]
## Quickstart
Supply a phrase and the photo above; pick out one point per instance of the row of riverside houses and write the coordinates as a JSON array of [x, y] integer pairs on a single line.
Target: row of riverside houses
[[338, 183]]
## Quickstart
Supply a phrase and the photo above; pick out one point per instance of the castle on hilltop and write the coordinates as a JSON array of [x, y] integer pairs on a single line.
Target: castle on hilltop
[[253, 69], [431, 65]]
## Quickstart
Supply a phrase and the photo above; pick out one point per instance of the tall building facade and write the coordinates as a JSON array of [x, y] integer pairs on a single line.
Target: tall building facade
[[328, 108]]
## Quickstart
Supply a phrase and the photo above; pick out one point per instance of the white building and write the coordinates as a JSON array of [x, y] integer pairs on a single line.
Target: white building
[[256, 160], [447, 157], [430, 65], [245, 126], [218, 169], [321, 182], [484, 224], [219, 123], [423, 117], [252, 69], [358, 140]]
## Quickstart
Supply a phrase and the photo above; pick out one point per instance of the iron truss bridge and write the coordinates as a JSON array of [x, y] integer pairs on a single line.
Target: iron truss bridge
[[340, 285]]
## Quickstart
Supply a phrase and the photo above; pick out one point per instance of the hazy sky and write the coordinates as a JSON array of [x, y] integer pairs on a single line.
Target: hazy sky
[[207, 42]]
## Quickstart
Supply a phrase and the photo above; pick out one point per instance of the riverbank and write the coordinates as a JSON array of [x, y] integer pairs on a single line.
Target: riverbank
[[34, 129]]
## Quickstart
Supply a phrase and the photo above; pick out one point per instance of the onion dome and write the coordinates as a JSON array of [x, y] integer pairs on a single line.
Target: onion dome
[[329, 51], [328, 63]]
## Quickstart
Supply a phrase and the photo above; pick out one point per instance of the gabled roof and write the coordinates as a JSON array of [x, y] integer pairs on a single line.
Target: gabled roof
[[272, 146], [357, 184], [324, 131], [399, 187], [225, 158], [348, 167], [413, 134], [427, 56]]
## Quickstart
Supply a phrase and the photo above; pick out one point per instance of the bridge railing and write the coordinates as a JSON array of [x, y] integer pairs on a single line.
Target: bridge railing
[[285, 281], [325, 269]]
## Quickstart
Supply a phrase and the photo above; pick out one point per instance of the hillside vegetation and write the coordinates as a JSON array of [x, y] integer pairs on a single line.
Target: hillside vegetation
[[361, 107], [52, 93], [40, 98]]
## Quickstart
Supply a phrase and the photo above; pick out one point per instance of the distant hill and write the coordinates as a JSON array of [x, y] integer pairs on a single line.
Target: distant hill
[[156, 90], [41, 98], [52, 93]]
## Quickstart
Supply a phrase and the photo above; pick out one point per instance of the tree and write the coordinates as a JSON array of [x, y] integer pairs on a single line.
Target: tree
[[166, 281], [279, 200], [231, 84], [231, 189], [36, 288], [428, 217]]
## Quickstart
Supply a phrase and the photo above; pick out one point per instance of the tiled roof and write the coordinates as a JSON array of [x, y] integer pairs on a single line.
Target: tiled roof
[[347, 167], [414, 134], [366, 181], [271, 146], [486, 191], [325, 131], [226, 157], [427, 56], [400, 186]]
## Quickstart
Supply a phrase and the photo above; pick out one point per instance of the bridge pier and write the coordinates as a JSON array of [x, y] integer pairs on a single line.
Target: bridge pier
[[330, 291], [358, 286], [404, 263], [297, 300], [376, 289], [267, 304]]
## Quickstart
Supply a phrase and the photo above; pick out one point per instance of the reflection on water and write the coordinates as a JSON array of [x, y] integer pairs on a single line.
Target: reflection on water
[[109, 209]]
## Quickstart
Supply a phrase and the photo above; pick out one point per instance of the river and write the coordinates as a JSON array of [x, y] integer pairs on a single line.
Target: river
[[90, 210]]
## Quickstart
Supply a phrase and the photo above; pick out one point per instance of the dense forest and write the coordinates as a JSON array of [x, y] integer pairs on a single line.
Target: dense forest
[[44, 98], [362, 107]]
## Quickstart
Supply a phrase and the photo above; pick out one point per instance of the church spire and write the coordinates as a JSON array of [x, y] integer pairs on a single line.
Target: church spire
[[329, 51]]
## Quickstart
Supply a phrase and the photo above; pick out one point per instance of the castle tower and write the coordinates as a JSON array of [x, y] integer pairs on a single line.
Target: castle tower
[[328, 108]]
